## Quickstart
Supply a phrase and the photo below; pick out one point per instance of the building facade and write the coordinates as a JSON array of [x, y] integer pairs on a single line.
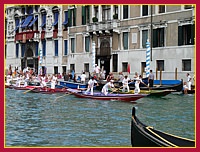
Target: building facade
[[66, 35]]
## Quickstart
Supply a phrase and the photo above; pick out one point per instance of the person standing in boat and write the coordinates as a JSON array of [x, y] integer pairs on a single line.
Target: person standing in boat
[[125, 82], [97, 71], [137, 79], [151, 78], [83, 77], [53, 82], [189, 81], [107, 86], [91, 84], [43, 82]]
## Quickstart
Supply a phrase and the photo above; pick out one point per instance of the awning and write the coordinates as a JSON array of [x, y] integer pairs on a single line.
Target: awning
[[66, 18], [27, 21], [18, 25], [55, 19], [33, 22]]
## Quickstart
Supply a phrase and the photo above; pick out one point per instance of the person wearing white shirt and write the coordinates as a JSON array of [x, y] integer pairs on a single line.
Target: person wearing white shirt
[[137, 84], [125, 82], [189, 81], [91, 84], [107, 86], [83, 77]]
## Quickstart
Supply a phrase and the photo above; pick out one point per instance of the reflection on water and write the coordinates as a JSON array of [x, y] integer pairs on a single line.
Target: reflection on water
[[40, 120]]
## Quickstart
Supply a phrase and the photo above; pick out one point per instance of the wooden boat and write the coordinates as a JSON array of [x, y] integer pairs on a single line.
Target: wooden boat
[[189, 91], [48, 90], [146, 136], [72, 85], [152, 93], [110, 96], [176, 87]]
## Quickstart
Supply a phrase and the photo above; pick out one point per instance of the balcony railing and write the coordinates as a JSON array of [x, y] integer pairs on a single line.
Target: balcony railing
[[104, 25], [23, 36]]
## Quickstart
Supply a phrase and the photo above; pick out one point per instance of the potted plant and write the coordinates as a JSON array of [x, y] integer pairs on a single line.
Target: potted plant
[[95, 19], [115, 16]]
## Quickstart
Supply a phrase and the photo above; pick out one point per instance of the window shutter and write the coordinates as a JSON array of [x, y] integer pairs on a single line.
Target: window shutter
[[83, 15], [155, 38], [180, 35], [192, 34]]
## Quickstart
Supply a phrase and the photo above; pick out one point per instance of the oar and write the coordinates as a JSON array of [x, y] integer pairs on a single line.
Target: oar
[[63, 95], [119, 88], [28, 90]]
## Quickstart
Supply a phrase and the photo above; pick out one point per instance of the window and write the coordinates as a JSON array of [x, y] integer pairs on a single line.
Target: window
[[66, 47], [22, 50], [72, 45], [43, 26], [85, 14], [160, 65], [86, 67], [158, 37], [187, 6], [125, 11], [106, 12], [55, 24], [55, 70], [56, 47], [144, 10], [17, 50], [115, 62], [186, 65], [64, 69], [43, 47], [161, 8], [96, 11], [125, 67], [87, 44], [144, 38], [65, 23], [115, 16], [72, 67], [125, 40], [36, 48], [72, 17], [186, 34]]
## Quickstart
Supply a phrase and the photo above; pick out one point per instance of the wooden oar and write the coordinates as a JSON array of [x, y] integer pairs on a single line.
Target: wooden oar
[[63, 95], [28, 90]]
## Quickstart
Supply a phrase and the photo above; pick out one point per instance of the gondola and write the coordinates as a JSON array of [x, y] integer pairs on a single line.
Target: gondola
[[109, 96], [152, 93], [146, 136]]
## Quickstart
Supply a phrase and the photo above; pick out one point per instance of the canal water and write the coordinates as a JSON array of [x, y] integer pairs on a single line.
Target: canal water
[[42, 120]]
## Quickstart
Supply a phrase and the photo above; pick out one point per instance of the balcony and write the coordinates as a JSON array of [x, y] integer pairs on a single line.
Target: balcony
[[23, 36], [103, 26]]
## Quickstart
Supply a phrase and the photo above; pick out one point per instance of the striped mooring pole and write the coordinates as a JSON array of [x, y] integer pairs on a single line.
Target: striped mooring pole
[[147, 58], [93, 55], [40, 63]]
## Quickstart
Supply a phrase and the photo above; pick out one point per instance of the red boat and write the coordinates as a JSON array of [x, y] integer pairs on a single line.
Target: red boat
[[110, 96], [22, 87]]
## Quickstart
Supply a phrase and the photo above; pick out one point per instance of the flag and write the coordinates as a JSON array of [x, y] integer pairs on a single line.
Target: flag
[[129, 69]]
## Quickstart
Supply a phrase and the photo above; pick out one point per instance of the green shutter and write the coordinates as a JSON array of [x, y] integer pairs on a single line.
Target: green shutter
[[83, 15], [180, 35], [74, 17], [69, 18]]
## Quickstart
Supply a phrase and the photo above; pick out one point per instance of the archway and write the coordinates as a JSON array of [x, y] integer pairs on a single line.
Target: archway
[[105, 55]]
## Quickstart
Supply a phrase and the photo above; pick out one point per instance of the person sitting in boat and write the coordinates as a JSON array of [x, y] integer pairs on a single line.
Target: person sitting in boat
[[137, 79], [107, 86], [185, 87], [91, 84], [125, 82]]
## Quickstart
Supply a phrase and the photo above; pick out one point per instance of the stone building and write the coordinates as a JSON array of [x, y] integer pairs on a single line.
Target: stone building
[[66, 33]]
